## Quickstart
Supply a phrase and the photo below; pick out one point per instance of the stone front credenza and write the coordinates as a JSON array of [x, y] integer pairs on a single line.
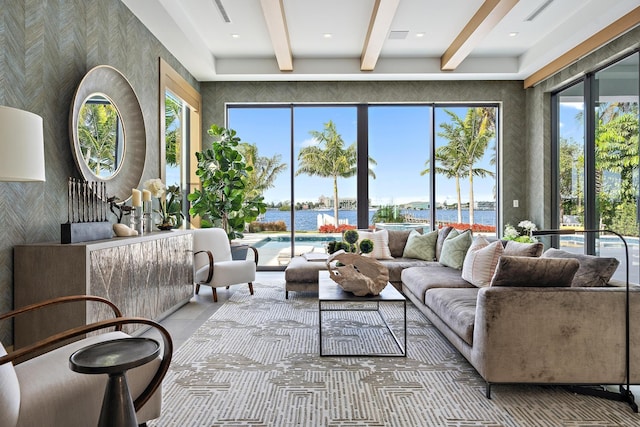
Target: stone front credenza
[[145, 276]]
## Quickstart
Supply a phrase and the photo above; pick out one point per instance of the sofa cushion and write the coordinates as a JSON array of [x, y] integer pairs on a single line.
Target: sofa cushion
[[455, 248], [10, 396], [398, 240], [534, 272], [513, 248], [396, 265], [593, 271], [421, 246], [380, 241], [456, 308], [481, 260], [442, 235], [418, 280]]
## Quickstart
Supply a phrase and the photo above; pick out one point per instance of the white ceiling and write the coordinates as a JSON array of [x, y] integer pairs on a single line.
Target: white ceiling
[[196, 34]]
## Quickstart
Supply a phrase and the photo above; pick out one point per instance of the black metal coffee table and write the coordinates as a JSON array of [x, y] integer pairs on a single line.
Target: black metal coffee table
[[115, 357], [332, 298]]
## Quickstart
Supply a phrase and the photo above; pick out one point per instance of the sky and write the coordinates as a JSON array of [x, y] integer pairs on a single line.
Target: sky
[[399, 139]]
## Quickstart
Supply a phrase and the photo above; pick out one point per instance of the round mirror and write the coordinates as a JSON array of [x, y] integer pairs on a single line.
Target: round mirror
[[108, 134]]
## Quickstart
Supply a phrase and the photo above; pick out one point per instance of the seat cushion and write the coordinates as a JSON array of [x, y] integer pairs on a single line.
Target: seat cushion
[[300, 270], [396, 266], [456, 308], [10, 394], [54, 395], [228, 273], [418, 280]]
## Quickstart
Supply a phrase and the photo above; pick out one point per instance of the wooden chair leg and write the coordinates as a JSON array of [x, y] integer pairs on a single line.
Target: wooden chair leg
[[197, 289], [215, 294], [251, 288]]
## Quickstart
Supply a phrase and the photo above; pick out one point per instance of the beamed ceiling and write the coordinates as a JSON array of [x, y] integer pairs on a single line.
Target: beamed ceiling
[[289, 40]]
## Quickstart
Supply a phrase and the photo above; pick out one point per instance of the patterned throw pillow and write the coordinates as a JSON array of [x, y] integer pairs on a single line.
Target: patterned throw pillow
[[455, 248], [520, 271], [380, 241], [593, 271], [421, 246], [481, 261]]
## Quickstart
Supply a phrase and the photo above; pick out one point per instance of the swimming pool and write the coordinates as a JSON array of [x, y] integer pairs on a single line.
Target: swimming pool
[[285, 241]]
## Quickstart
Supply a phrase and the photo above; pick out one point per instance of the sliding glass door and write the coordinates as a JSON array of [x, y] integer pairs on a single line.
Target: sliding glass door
[[596, 140]]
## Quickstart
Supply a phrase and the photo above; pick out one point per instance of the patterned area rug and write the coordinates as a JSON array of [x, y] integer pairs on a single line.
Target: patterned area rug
[[256, 362]]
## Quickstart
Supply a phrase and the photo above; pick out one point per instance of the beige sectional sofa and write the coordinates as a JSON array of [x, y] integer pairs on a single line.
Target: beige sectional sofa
[[538, 333], [531, 334]]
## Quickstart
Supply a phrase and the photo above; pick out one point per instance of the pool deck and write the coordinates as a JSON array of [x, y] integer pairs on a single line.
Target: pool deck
[[273, 257]]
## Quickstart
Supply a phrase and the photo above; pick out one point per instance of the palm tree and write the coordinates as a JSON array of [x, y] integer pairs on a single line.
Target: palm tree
[[265, 169], [469, 139], [172, 112], [450, 166], [98, 135], [330, 159]]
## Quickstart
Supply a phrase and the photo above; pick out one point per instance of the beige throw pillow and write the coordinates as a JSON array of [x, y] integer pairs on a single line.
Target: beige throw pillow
[[481, 261], [380, 241]]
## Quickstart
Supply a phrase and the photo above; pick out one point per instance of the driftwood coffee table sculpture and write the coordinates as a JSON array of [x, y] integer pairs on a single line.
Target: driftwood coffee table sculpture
[[358, 274]]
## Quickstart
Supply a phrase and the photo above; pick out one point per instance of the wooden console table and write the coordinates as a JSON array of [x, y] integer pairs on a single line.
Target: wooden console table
[[147, 276]]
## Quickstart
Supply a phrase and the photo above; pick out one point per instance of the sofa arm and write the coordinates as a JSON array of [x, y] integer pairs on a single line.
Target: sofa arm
[[553, 335]]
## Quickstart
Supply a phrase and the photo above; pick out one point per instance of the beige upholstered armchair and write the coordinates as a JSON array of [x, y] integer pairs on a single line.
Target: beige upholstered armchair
[[37, 387], [213, 265]]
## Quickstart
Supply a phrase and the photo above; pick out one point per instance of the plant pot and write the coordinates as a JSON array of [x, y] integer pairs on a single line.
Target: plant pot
[[239, 251]]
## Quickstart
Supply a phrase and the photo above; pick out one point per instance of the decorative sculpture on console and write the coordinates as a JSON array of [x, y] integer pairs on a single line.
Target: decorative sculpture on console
[[87, 212]]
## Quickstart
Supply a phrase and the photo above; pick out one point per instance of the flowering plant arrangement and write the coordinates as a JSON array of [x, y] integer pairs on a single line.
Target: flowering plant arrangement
[[523, 233], [169, 200]]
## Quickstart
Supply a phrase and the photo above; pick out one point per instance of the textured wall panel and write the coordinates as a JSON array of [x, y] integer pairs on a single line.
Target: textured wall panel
[[46, 47]]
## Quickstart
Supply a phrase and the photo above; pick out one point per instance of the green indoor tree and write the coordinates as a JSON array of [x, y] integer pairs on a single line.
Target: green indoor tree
[[223, 200]]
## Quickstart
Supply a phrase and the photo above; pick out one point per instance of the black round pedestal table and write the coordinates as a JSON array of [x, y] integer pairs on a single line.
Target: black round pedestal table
[[114, 358]]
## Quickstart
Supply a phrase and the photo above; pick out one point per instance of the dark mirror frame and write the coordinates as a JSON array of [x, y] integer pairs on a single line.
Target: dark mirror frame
[[107, 80]]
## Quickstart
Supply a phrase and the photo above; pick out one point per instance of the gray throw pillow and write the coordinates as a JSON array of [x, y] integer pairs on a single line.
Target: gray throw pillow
[[442, 235], [398, 241], [455, 248], [593, 271], [520, 271], [421, 246], [513, 248]]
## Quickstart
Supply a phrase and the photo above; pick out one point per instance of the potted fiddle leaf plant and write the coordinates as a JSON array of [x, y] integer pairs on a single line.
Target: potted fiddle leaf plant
[[222, 201]]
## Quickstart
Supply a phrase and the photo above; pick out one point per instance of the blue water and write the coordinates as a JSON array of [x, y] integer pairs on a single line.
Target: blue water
[[306, 220]]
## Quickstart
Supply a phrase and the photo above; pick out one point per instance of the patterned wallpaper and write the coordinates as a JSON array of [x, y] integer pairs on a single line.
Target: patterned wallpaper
[[45, 49]]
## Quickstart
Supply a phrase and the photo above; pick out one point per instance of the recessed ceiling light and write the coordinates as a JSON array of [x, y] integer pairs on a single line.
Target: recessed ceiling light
[[327, 35], [235, 36], [513, 34], [420, 34]]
